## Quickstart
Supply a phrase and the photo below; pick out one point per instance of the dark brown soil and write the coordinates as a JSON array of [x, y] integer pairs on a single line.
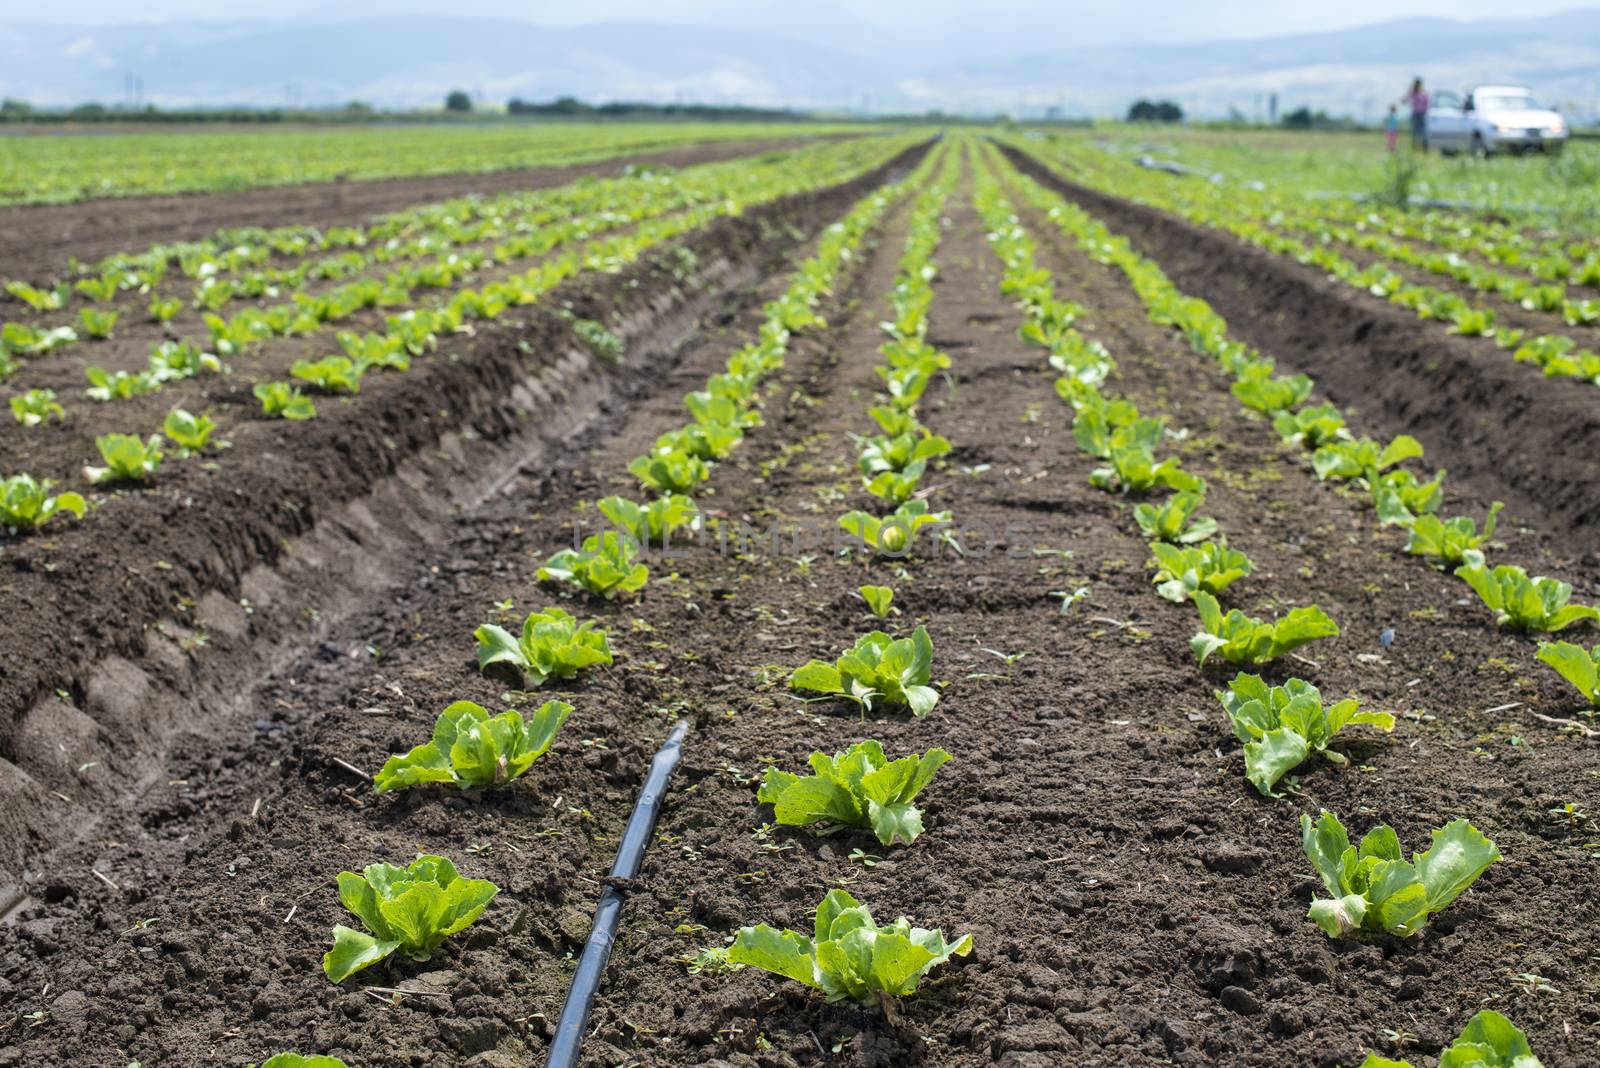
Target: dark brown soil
[[1499, 426], [36, 240], [1132, 900]]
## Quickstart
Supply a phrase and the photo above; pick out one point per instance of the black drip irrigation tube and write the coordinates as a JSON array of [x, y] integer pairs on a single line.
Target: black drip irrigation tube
[[630, 855]]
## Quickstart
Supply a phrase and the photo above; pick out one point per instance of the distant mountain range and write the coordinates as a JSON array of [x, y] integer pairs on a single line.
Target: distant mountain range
[[412, 60]]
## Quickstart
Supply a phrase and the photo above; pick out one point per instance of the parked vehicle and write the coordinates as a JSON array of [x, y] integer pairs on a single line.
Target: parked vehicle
[[1494, 118]]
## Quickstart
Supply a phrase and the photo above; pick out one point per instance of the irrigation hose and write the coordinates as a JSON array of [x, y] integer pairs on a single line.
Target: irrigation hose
[[630, 855]]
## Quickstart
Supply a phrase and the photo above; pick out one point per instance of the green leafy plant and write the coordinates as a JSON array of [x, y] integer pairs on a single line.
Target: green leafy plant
[[1488, 1041], [553, 645], [653, 523], [1134, 469], [126, 456], [28, 341], [880, 599], [604, 566], [597, 339], [1242, 639], [26, 503], [669, 471], [470, 748], [1182, 570], [1375, 889], [896, 533], [859, 787], [411, 910], [35, 406], [41, 299], [331, 374], [98, 324], [1281, 726], [1267, 394], [1400, 497], [849, 955], [1451, 543], [881, 453], [191, 433], [296, 1060], [1363, 458], [1524, 603], [165, 309], [180, 359], [280, 400], [877, 670], [1171, 520], [1312, 426], [104, 386], [384, 351], [1575, 664]]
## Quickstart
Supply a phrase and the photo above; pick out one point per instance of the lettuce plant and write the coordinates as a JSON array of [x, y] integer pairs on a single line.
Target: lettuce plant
[[41, 299], [1312, 426], [471, 748], [1451, 543], [98, 324], [894, 534], [880, 599], [171, 360], [1488, 1041], [296, 1060], [1242, 639], [366, 351], [1267, 394], [1171, 521], [280, 400], [1576, 665], [411, 909], [26, 503], [653, 523], [191, 433], [1399, 497], [877, 670], [1211, 566], [331, 374], [881, 453], [604, 566], [1134, 470], [1524, 603], [35, 406], [707, 441], [1363, 458], [1096, 432], [719, 409], [669, 471], [126, 457], [552, 645], [1375, 889], [164, 309], [1281, 726], [105, 386], [860, 787], [849, 955], [896, 487], [24, 339]]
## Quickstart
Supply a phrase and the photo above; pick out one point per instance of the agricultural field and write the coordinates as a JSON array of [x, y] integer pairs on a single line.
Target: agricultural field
[[1103, 616]]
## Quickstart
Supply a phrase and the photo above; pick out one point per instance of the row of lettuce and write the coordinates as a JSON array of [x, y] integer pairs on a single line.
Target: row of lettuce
[[848, 954], [26, 501], [1372, 888]]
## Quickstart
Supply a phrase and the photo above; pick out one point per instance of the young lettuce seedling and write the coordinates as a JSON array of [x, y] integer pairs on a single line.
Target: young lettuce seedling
[[1271, 395], [880, 453], [553, 645], [859, 787], [1363, 458], [104, 386], [191, 433], [127, 458], [849, 956], [26, 504], [1312, 426], [1134, 470], [1576, 665], [877, 670], [280, 400], [412, 910], [1488, 1041], [172, 360], [1375, 889], [1242, 639], [894, 534], [296, 1060], [653, 523], [1523, 603], [1281, 726], [880, 599], [1451, 543], [665, 471], [331, 374], [1399, 498], [1171, 521], [471, 748], [1212, 567], [603, 567], [36, 406]]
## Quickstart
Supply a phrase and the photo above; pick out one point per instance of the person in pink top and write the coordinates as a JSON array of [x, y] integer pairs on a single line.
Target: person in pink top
[[1418, 99]]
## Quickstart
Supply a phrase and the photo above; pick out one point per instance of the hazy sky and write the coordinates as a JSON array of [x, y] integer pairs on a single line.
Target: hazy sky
[[938, 22]]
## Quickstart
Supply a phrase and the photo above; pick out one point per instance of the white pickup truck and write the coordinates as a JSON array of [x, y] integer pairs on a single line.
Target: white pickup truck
[[1494, 118]]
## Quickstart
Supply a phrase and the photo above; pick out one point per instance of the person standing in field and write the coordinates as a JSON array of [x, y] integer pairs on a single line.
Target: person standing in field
[[1418, 99], [1391, 128]]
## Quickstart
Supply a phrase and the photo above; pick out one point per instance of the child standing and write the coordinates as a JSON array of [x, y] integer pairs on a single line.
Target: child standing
[[1391, 128]]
